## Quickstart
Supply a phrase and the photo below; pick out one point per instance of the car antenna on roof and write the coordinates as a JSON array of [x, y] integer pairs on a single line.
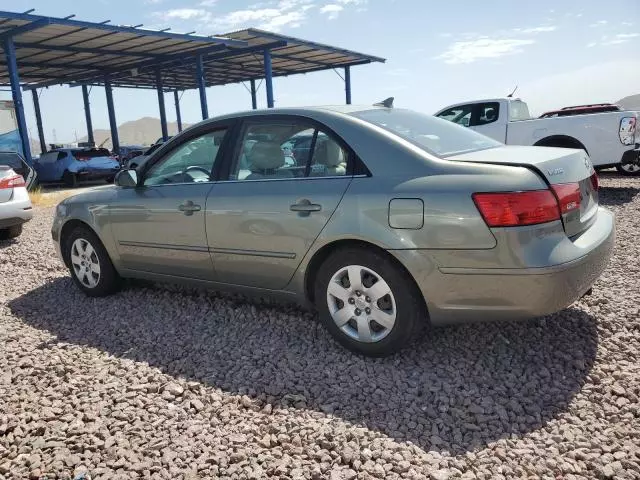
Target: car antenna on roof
[[514, 91], [387, 103]]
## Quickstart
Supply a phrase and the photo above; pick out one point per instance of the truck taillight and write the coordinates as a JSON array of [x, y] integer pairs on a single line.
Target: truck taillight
[[568, 195], [627, 131], [514, 209], [595, 181], [12, 182]]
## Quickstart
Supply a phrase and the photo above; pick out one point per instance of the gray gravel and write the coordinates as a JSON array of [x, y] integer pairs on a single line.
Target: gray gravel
[[162, 382]]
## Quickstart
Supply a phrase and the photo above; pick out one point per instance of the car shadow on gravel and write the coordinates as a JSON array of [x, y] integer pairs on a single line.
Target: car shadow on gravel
[[610, 196], [458, 389]]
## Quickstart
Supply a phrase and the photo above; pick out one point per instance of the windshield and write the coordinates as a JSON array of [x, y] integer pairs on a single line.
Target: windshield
[[436, 136]]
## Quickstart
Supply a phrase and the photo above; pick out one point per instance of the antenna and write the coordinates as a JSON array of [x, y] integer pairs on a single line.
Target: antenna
[[387, 103], [514, 91]]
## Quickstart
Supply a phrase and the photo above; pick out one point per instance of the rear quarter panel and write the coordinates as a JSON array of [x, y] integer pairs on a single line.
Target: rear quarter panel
[[597, 132]]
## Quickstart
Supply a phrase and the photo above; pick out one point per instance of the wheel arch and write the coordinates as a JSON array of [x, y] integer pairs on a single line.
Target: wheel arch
[[326, 250], [565, 141]]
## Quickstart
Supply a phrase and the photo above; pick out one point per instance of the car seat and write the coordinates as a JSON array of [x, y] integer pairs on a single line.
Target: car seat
[[265, 161], [329, 155]]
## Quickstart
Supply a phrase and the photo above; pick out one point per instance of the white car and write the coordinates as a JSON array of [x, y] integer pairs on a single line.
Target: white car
[[15, 204], [611, 139]]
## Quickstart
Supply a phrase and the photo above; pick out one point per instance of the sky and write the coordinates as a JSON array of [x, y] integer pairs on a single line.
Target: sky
[[438, 53]]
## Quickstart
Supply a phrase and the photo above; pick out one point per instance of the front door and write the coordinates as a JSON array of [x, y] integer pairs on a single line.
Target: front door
[[159, 226], [264, 218]]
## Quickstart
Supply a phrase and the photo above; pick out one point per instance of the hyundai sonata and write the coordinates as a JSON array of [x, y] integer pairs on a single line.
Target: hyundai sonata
[[389, 220]]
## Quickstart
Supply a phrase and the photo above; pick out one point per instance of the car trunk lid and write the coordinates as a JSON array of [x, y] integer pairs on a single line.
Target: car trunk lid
[[568, 172]]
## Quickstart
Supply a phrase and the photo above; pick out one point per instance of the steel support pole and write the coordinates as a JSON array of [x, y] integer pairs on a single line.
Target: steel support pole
[[347, 84], [87, 113], [112, 116], [201, 87], [176, 99], [36, 108], [254, 98], [16, 93], [163, 112], [268, 78]]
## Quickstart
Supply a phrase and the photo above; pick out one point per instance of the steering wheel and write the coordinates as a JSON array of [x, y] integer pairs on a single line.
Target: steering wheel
[[198, 169]]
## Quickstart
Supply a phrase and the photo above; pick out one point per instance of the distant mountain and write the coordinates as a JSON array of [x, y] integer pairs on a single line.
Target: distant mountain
[[143, 131], [632, 102]]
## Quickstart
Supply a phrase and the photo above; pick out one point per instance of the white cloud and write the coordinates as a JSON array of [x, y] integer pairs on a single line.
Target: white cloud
[[332, 10], [541, 29], [619, 38], [592, 44], [153, 2], [198, 14], [599, 23], [484, 47], [206, 3]]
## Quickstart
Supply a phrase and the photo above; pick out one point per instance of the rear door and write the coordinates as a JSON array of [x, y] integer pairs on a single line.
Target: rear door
[[485, 119], [159, 227], [265, 216]]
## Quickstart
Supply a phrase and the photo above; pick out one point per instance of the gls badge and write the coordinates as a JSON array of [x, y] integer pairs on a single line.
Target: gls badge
[[555, 171]]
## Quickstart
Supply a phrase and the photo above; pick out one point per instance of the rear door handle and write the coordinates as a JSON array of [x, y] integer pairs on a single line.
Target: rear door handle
[[189, 207], [305, 207]]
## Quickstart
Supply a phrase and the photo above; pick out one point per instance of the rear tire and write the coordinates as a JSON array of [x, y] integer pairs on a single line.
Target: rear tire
[[89, 263], [629, 170], [367, 302], [10, 232], [70, 179]]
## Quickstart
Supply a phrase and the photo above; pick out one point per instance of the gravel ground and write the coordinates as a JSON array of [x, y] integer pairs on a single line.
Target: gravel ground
[[162, 382]]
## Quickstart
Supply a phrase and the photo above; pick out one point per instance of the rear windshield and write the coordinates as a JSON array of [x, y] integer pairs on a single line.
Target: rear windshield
[[434, 135], [93, 153]]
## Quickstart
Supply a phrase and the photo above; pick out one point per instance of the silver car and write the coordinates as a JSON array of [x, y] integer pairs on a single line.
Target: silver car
[[391, 220], [15, 204]]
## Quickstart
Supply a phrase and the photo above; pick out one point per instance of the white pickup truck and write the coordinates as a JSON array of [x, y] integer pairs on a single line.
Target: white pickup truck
[[611, 138]]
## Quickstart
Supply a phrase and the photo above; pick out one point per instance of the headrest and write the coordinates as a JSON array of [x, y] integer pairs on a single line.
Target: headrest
[[329, 154], [265, 156]]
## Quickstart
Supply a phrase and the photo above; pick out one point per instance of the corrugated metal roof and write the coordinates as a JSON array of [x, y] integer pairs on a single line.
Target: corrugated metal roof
[[53, 51]]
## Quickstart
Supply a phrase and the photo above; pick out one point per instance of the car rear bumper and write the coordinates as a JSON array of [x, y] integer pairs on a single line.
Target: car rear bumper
[[460, 295], [16, 211]]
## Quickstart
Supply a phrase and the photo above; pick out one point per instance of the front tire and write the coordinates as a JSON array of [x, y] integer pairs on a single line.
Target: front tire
[[367, 302], [89, 263], [629, 169], [10, 232]]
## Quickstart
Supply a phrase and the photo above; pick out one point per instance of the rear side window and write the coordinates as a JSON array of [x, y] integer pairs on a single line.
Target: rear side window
[[518, 110], [11, 160], [288, 149], [93, 153], [433, 135], [485, 113]]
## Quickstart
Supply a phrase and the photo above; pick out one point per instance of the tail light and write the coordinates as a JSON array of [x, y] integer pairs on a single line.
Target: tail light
[[627, 130], [595, 181], [12, 181], [568, 195], [81, 158], [513, 209]]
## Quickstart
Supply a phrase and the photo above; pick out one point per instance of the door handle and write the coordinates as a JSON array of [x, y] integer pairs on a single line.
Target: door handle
[[305, 207], [189, 207]]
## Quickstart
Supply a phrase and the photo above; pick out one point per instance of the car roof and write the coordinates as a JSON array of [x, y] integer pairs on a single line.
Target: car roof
[[339, 109]]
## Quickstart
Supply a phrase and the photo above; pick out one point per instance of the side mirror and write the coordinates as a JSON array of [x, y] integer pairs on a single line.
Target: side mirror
[[127, 179]]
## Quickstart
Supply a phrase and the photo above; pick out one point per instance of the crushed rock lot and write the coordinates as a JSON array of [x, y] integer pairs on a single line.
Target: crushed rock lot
[[162, 382]]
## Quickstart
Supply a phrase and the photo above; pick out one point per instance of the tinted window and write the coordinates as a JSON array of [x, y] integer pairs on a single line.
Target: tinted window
[[485, 113], [92, 153], [190, 162], [460, 115], [11, 160], [434, 135]]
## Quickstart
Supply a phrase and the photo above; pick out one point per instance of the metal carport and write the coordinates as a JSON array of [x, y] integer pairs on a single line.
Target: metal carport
[[45, 51]]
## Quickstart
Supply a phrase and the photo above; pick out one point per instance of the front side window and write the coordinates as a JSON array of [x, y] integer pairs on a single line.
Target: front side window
[[288, 150], [432, 134], [460, 115], [191, 162]]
